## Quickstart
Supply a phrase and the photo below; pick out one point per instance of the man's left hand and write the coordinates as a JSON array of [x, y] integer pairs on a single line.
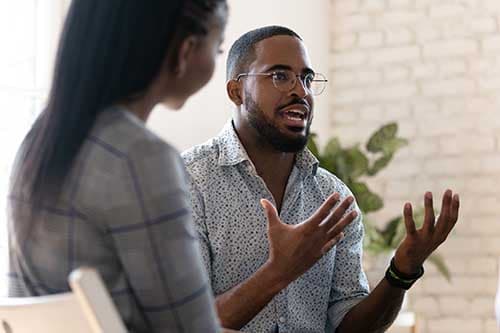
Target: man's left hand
[[418, 244]]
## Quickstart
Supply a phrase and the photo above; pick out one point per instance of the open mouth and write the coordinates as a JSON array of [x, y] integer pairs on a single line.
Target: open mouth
[[295, 117], [295, 114]]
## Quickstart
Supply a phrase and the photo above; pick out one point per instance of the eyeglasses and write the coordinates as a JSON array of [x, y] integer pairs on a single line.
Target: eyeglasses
[[285, 80]]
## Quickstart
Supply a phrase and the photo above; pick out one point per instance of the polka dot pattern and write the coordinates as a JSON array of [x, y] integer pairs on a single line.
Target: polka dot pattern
[[231, 225]]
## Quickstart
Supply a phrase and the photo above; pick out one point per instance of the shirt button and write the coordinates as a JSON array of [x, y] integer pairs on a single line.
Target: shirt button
[[282, 319]]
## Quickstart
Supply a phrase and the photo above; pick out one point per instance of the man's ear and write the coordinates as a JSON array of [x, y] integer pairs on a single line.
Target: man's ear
[[233, 88], [185, 51]]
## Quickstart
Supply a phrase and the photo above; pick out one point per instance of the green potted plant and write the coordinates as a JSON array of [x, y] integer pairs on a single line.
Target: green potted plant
[[352, 165]]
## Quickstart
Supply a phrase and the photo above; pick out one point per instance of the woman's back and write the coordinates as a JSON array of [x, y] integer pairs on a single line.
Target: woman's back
[[123, 210]]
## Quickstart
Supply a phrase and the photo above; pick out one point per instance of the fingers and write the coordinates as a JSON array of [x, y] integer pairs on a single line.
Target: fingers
[[455, 206], [449, 215], [446, 205], [444, 215], [408, 218], [270, 211], [337, 214], [340, 226], [332, 242], [324, 210], [429, 218]]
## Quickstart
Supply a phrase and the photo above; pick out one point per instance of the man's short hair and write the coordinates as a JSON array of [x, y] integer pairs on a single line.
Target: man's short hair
[[242, 52]]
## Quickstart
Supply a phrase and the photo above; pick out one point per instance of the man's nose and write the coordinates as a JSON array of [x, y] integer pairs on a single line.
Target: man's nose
[[300, 89]]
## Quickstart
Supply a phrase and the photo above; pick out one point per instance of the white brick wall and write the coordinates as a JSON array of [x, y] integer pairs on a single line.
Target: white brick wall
[[434, 67]]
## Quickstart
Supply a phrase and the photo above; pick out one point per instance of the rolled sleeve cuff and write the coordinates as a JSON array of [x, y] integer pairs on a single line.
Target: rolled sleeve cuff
[[337, 312]]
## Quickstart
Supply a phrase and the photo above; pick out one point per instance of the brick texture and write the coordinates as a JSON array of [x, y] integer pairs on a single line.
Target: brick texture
[[434, 67]]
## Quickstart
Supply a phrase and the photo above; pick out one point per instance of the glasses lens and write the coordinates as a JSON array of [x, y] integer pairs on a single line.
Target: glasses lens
[[284, 80], [318, 85]]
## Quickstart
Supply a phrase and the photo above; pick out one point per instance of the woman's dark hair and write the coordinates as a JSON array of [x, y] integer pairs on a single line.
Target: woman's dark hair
[[109, 51]]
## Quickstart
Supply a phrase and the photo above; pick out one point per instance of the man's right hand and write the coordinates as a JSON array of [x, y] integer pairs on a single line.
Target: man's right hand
[[293, 249]]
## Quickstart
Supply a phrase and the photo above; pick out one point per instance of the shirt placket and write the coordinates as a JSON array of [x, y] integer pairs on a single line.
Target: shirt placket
[[279, 301], [292, 192]]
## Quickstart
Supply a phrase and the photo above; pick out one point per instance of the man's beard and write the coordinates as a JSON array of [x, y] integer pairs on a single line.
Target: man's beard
[[268, 133]]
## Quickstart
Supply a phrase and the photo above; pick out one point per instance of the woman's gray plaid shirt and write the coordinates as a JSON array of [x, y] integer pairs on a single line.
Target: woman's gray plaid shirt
[[125, 212]]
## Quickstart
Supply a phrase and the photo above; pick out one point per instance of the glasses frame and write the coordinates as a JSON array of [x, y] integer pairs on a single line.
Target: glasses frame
[[300, 78]]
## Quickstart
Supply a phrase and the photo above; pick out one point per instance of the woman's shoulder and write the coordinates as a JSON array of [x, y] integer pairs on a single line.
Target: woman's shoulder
[[122, 134], [121, 161]]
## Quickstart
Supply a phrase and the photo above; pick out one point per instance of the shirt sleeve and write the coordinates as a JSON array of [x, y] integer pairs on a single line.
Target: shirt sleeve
[[349, 285], [199, 219], [151, 225]]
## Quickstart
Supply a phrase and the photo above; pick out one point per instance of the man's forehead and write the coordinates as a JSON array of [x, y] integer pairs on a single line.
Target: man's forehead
[[283, 50]]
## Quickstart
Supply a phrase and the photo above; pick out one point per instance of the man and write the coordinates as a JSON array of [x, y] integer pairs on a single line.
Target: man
[[301, 270]]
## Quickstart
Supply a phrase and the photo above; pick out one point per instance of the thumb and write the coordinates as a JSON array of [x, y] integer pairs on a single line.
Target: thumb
[[270, 211]]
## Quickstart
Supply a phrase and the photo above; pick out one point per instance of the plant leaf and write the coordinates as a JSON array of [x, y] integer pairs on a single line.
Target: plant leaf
[[379, 164], [373, 241], [332, 148], [391, 230], [381, 136], [312, 145], [330, 158], [391, 146], [438, 261], [350, 164], [367, 200], [357, 161], [342, 167], [329, 164]]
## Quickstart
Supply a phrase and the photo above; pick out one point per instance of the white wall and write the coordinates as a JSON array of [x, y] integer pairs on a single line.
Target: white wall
[[29, 31], [434, 67], [206, 112]]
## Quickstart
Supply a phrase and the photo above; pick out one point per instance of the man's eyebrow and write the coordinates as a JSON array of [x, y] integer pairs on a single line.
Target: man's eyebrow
[[306, 70], [277, 67]]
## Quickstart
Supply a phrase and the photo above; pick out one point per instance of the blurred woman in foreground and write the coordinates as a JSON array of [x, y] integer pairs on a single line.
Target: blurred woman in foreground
[[92, 186]]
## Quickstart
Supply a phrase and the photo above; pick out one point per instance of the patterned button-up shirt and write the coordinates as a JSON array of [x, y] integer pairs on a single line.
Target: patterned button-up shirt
[[124, 211], [225, 192]]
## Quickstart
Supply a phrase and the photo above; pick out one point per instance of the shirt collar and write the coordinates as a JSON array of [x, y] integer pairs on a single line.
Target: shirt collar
[[232, 152], [306, 161]]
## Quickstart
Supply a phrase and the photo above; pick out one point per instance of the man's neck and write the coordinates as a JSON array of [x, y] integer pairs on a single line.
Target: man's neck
[[273, 166]]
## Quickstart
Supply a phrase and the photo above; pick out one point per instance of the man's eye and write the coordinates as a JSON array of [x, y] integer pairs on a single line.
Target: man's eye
[[280, 76], [308, 79]]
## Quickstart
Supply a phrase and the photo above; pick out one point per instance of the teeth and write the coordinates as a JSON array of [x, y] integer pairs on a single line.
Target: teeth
[[294, 117], [296, 113]]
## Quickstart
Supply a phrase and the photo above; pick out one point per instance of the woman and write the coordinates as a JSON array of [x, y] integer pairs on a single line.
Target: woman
[[92, 186]]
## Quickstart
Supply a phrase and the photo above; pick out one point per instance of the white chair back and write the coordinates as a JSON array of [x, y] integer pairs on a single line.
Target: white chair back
[[88, 308]]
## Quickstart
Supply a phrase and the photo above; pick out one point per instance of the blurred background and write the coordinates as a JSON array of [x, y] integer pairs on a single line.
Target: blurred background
[[432, 67]]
